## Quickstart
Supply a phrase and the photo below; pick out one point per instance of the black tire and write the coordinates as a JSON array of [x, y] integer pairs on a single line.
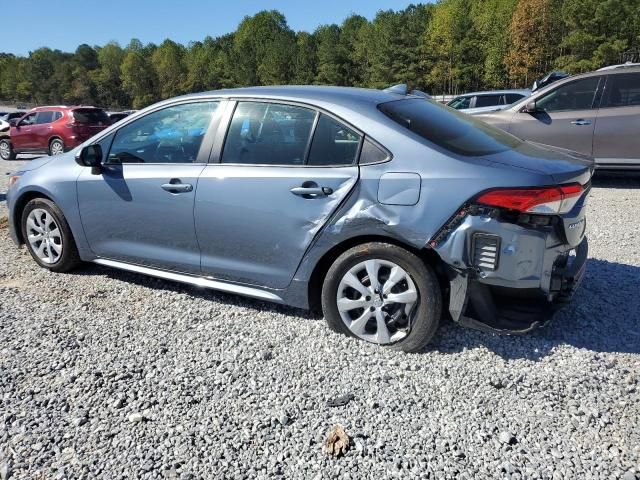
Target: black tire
[[69, 258], [427, 311], [6, 150], [56, 147]]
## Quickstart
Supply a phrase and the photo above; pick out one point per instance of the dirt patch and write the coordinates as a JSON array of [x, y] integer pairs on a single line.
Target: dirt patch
[[4, 223]]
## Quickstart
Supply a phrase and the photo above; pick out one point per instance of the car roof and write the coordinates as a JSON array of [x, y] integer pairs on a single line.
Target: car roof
[[307, 93], [523, 91]]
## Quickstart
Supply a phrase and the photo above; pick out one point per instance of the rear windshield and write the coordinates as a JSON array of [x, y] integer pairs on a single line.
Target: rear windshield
[[90, 116], [454, 131]]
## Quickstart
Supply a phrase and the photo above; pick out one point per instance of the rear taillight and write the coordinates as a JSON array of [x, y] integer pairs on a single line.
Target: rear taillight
[[542, 200]]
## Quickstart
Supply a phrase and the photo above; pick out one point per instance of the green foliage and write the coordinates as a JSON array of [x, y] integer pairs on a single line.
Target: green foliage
[[444, 47]]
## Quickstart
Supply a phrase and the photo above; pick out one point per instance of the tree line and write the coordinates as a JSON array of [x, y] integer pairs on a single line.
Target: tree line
[[445, 47]]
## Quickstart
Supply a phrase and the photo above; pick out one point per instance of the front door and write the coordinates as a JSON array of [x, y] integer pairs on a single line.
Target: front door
[[283, 171], [139, 209], [616, 141], [22, 136], [565, 118]]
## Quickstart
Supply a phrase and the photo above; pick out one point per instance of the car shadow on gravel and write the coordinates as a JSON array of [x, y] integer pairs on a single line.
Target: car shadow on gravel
[[194, 291], [603, 317], [3, 197]]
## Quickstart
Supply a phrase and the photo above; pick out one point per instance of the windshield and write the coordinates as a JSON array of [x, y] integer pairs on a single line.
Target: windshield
[[460, 103], [456, 132]]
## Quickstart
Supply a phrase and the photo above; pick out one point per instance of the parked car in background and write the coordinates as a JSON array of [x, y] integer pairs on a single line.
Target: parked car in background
[[117, 116], [11, 115], [380, 207], [52, 130], [478, 102], [548, 80], [596, 114]]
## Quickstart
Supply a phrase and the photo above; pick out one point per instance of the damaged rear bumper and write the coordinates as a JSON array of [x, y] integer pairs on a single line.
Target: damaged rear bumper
[[509, 279]]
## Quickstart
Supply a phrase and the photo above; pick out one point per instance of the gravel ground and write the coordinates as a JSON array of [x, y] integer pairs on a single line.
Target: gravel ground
[[105, 374]]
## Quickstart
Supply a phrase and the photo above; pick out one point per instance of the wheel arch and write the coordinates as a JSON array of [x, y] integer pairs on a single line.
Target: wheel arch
[[21, 202], [427, 255], [55, 137]]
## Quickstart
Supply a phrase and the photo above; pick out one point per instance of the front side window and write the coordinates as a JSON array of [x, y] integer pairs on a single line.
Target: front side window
[[171, 135], [28, 120], [454, 131], [577, 95], [44, 117], [333, 143], [268, 134], [623, 90]]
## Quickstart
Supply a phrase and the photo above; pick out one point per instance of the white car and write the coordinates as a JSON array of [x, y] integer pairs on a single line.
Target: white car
[[489, 101]]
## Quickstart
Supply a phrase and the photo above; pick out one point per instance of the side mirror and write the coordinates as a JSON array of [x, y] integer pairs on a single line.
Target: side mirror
[[530, 107], [90, 156], [14, 122]]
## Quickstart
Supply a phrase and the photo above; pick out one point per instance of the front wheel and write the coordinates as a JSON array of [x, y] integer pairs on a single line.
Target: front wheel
[[6, 151], [48, 236], [384, 294]]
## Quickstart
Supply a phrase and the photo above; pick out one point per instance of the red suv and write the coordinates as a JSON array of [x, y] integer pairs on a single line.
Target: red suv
[[52, 130]]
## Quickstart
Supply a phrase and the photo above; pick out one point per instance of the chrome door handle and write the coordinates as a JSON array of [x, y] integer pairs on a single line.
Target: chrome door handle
[[312, 191], [580, 121], [177, 187]]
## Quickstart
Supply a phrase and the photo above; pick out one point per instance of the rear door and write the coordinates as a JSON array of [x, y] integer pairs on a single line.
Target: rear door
[[281, 173], [616, 141], [565, 118], [42, 128]]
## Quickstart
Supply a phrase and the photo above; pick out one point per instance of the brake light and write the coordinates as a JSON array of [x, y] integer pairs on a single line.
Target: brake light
[[544, 200]]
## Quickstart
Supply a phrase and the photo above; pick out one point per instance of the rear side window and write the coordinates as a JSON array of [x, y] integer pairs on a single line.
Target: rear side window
[[57, 116], [577, 95], [456, 132], [90, 116], [623, 90], [488, 100], [333, 143], [44, 117], [268, 134], [513, 97]]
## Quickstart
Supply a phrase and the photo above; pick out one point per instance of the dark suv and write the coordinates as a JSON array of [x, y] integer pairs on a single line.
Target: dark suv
[[52, 130]]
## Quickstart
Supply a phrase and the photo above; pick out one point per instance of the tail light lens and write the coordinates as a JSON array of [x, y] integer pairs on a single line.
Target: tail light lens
[[541, 200]]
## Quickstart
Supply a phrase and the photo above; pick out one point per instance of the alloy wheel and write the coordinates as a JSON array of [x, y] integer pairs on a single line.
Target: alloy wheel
[[5, 150], [56, 147], [376, 300], [44, 236]]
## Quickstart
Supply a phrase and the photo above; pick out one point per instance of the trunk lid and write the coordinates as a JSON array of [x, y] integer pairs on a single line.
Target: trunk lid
[[564, 166], [86, 121]]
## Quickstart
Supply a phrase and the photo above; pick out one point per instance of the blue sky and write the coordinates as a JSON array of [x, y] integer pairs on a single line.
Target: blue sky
[[65, 24]]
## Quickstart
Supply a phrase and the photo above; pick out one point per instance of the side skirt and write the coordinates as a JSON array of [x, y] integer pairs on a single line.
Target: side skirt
[[192, 280]]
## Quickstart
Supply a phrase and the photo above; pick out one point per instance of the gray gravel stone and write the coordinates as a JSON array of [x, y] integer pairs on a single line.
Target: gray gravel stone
[[103, 345]]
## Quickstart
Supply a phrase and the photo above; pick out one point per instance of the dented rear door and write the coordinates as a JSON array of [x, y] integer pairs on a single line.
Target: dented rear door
[[252, 224]]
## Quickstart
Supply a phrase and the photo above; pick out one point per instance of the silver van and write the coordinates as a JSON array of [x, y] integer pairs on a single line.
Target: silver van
[[596, 113]]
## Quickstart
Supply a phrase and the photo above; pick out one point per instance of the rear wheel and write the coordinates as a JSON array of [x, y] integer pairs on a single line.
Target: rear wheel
[[383, 294], [48, 236], [56, 147], [6, 151]]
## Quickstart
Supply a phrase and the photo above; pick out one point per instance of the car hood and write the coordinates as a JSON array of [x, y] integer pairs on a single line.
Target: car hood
[[37, 163], [564, 166]]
